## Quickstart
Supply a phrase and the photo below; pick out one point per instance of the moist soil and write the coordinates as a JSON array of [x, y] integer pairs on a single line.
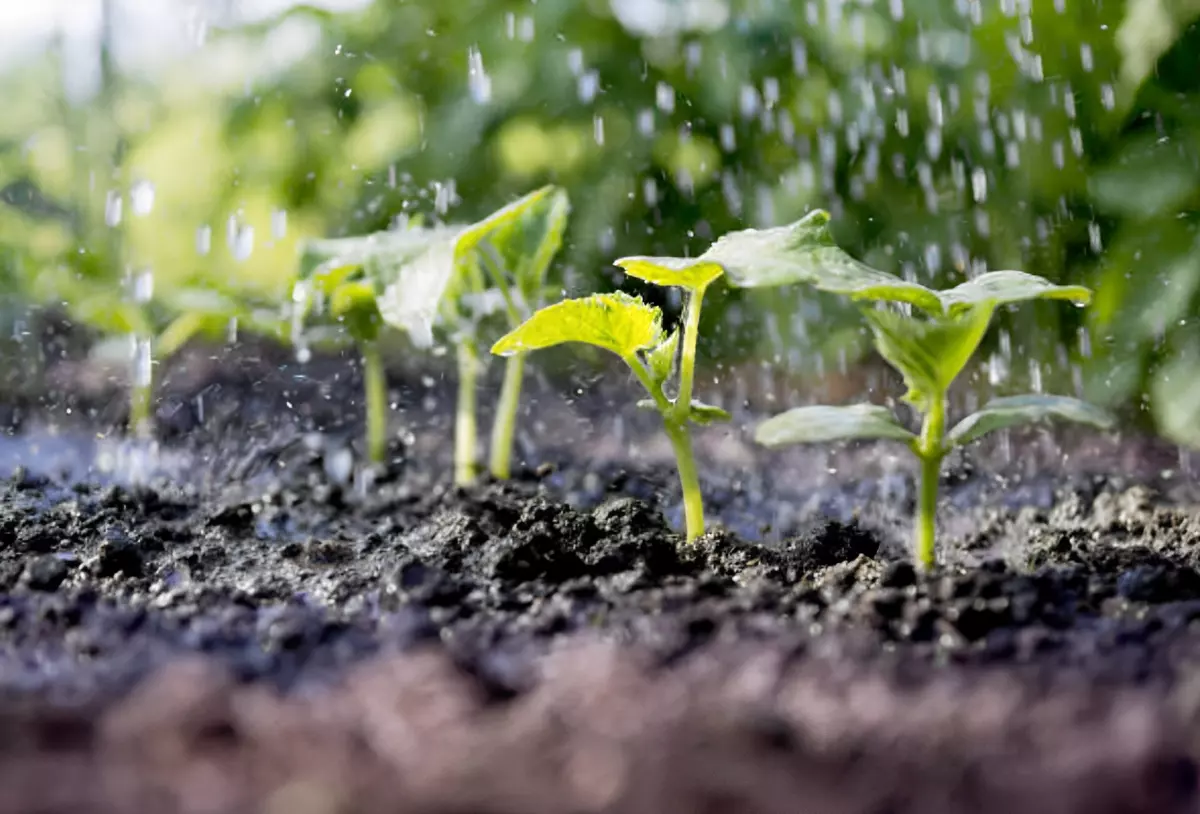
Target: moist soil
[[239, 617]]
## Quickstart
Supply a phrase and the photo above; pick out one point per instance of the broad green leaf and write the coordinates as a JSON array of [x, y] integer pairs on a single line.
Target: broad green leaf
[[805, 252], [928, 352], [820, 423], [705, 414], [661, 360], [1014, 410], [690, 274], [1003, 287], [616, 322]]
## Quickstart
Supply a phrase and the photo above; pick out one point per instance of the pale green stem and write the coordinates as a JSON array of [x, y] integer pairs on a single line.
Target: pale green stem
[[464, 419], [141, 398], [930, 450], [689, 480], [375, 395], [681, 444], [505, 423], [687, 360]]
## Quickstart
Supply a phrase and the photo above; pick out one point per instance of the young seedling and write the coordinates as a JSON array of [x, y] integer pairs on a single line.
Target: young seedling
[[632, 330], [929, 348], [452, 278]]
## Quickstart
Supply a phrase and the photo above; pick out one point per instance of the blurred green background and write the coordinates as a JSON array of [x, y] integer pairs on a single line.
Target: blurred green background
[[196, 144]]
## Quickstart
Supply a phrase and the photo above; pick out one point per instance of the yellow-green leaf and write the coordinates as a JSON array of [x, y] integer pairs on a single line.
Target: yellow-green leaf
[[705, 414], [616, 322], [1003, 287], [693, 275], [501, 219]]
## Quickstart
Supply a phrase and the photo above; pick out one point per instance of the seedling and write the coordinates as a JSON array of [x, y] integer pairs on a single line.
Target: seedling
[[929, 348], [449, 278], [632, 330]]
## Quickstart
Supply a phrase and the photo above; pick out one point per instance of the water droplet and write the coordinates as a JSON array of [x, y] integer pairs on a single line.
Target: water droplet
[[598, 129], [141, 198], [143, 362], [478, 82], [143, 286], [203, 240], [113, 206], [243, 245], [279, 224], [664, 97]]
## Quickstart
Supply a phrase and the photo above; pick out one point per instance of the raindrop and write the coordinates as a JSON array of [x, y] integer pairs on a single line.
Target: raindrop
[[728, 138], [1094, 237], [598, 129], [478, 82], [979, 187], [645, 122], [143, 362], [243, 245], [141, 198], [279, 224], [575, 60], [1108, 96], [143, 286], [203, 240], [664, 97], [588, 86], [113, 208]]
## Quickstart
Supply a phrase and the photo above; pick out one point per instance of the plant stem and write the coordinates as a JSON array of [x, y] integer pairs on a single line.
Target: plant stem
[[687, 361], [140, 399], [464, 419], [930, 450], [505, 423], [375, 395], [689, 480]]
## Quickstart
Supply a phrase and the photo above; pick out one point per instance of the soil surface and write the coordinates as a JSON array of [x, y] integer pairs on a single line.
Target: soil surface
[[240, 617]]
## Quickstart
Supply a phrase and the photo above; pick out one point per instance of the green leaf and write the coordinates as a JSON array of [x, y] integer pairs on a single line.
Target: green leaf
[[471, 237], [690, 274], [661, 360], [180, 331], [1014, 410], [1175, 396], [354, 305], [531, 274], [705, 414], [805, 252], [929, 352], [1003, 287], [616, 322], [818, 424]]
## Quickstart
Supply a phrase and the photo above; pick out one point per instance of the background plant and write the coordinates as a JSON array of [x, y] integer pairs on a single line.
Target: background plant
[[947, 136], [453, 278]]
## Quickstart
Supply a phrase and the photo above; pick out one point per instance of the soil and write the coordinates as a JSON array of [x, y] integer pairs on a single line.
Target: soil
[[241, 618]]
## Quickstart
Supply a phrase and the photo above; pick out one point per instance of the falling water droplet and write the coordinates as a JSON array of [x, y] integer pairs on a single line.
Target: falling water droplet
[[478, 82], [243, 245], [279, 224], [203, 240], [113, 206], [141, 198]]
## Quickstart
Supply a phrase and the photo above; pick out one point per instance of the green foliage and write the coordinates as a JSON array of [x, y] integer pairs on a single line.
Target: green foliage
[[930, 352], [631, 329]]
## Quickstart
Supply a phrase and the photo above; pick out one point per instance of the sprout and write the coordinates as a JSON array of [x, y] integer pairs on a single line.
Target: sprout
[[929, 348], [633, 331], [440, 279]]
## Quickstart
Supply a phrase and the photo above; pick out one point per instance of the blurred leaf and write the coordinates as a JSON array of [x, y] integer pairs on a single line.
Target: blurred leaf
[[705, 414], [616, 322], [820, 423], [1004, 287], [1012, 411], [1149, 178]]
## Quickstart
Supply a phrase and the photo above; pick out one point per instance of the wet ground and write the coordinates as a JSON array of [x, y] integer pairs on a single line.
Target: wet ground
[[242, 618]]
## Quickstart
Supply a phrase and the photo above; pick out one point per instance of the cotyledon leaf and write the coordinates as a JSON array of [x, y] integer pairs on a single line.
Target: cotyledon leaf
[[473, 235], [821, 423], [616, 322], [1015, 410]]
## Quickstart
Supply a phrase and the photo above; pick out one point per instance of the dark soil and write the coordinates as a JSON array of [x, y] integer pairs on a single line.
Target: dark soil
[[245, 620]]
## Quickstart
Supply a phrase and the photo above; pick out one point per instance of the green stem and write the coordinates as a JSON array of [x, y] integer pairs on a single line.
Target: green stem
[[464, 419], [930, 450], [375, 394], [687, 360], [689, 480], [505, 424]]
